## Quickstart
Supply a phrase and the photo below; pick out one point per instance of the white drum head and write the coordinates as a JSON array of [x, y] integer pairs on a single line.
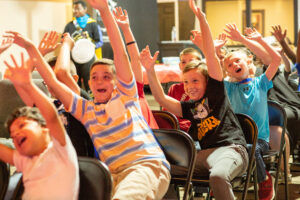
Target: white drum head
[[83, 51]]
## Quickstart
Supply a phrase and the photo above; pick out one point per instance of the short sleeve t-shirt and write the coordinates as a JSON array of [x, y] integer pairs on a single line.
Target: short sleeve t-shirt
[[214, 123], [53, 174], [252, 99]]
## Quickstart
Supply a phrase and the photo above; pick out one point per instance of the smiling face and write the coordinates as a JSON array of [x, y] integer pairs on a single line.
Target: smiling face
[[79, 10], [194, 84], [29, 137], [102, 82], [237, 66]]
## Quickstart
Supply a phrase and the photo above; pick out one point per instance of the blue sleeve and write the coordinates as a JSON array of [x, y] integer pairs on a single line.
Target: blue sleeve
[[100, 43], [264, 82]]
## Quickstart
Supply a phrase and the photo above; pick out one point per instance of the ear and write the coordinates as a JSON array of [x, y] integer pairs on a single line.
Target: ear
[[249, 59], [75, 77]]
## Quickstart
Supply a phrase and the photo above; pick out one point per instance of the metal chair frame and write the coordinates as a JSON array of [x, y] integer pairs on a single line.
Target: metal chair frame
[[180, 151]]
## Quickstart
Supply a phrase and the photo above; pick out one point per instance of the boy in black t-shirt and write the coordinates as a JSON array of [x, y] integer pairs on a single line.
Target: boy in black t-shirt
[[223, 154]]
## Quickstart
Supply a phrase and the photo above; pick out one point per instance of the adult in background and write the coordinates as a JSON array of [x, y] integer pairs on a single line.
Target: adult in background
[[87, 36]]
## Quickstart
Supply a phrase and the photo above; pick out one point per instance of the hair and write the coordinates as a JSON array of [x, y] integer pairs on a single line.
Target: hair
[[104, 61], [52, 61], [32, 113], [199, 65], [192, 51], [243, 51], [81, 2]]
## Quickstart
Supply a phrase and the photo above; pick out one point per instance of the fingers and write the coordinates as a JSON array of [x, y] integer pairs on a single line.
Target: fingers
[[14, 60], [155, 55]]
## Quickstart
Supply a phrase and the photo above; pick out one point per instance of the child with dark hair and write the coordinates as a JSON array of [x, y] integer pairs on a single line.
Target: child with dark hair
[[113, 118], [43, 149]]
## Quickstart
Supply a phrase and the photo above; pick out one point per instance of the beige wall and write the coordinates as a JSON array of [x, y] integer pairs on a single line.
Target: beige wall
[[276, 12], [33, 18]]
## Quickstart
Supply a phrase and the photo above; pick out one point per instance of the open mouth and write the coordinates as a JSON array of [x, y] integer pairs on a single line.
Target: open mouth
[[238, 70], [21, 140], [101, 90]]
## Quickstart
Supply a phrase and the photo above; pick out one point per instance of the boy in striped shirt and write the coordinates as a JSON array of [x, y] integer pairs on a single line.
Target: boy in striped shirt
[[113, 119]]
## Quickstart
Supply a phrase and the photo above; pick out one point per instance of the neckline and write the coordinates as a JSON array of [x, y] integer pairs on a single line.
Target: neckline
[[245, 80]]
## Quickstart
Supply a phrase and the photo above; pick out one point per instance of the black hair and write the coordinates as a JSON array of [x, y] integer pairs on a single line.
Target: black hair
[[81, 2], [32, 113]]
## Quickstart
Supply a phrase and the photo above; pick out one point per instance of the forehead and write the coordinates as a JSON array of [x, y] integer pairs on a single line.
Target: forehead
[[78, 6], [189, 56], [19, 121], [192, 74], [101, 68], [235, 55]]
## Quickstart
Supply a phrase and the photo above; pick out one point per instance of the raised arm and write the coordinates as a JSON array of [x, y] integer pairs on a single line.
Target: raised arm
[[21, 77], [280, 37], [6, 154], [122, 20], [212, 61], [61, 91], [235, 35], [49, 42], [164, 100], [253, 34], [63, 62], [123, 69]]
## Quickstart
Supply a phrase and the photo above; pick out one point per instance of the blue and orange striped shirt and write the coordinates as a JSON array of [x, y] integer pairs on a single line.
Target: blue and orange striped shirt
[[118, 129]]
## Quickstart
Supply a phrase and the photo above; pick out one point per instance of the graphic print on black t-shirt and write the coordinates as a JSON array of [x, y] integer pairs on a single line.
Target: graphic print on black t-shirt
[[200, 112]]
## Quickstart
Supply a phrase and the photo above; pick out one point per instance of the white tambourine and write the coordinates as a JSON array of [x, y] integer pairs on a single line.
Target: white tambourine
[[83, 51]]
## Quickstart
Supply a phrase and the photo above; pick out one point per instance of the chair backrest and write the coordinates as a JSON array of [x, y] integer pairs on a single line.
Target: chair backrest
[[95, 179], [249, 128], [165, 119], [4, 178], [10, 100], [179, 150], [250, 132], [277, 115]]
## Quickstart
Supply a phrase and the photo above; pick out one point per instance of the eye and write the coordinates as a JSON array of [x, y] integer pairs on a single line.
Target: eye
[[230, 65], [195, 81], [21, 125], [238, 60], [106, 77], [94, 77], [185, 82]]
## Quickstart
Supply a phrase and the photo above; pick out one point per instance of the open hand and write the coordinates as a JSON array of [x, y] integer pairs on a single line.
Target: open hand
[[146, 59], [19, 74], [220, 41], [278, 34], [233, 32], [196, 10], [49, 42], [18, 39], [253, 34], [121, 17], [197, 39]]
